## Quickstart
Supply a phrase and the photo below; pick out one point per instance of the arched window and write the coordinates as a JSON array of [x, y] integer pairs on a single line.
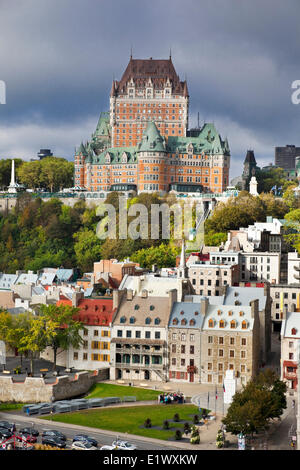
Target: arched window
[[148, 321], [244, 324], [221, 324], [157, 321], [132, 320], [233, 324]]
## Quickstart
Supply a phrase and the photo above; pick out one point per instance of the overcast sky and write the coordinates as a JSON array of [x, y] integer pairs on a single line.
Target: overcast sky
[[58, 59]]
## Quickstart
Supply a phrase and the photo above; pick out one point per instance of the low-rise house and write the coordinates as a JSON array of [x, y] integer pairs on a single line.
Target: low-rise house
[[290, 342], [230, 340], [140, 335]]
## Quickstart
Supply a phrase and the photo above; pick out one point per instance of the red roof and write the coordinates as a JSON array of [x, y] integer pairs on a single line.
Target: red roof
[[92, 311]]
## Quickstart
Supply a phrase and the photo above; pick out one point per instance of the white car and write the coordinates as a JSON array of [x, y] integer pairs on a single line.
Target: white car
[[119, 445], [83, 445]]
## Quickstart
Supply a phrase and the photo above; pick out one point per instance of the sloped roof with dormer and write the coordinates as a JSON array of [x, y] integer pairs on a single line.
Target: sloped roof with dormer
[[159, 71]]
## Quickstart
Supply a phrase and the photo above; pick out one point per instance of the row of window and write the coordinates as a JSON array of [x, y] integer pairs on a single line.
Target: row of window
[[232, 353], [93, 357], [129, 334]]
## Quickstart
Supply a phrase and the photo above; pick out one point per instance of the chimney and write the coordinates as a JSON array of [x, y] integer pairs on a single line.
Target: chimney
[[172, 298], [204, 305], [117, 294], [254, 308], [76, 296], [144, 293], [129, 294]]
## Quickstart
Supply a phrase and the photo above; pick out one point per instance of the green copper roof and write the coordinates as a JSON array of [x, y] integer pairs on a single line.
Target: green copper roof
[[152, 141], [116, 155], [207, 141], [103, 126]]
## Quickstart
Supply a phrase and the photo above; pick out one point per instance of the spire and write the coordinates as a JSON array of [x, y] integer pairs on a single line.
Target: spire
[[12, 180], [182, 270], [182, 256]]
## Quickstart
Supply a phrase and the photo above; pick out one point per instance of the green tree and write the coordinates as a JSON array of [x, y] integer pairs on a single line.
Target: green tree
[[67, 331], [260, 401]]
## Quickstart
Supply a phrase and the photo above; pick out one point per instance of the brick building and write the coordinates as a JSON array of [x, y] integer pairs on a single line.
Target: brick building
[[143, 142]]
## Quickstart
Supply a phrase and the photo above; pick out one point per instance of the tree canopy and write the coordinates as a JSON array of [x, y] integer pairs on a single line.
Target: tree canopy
[[256, 405]]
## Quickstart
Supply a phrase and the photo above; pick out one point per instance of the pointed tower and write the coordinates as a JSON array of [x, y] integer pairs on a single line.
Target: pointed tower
[[182, 270], [13, 186]]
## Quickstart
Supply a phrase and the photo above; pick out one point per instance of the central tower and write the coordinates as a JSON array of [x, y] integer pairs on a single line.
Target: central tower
[[149, 91]]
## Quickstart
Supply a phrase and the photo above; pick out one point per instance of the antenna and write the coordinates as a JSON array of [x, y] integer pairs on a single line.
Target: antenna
[[170, 54], [131, 52], [198, 121]]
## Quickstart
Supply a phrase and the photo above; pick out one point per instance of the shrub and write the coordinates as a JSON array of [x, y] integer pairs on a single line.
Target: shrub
[[196, 419], [187, 428], [166, 424], [176, 418], [148, 423], [195, 436], [178, 435]]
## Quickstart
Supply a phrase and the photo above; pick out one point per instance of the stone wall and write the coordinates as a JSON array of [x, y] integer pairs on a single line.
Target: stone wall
[[36, 390]]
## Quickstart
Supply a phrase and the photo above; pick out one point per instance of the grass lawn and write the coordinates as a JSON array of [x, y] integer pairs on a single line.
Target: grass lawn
[[102, 390], [131, 419], [11, 406]]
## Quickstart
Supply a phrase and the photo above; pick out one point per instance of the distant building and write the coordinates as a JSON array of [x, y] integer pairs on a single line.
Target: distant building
[[43, 153], [285, 157], [143, 142]]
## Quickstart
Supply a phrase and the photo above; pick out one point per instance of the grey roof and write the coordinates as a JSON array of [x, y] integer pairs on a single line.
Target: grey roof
[[245, 295], [7, 280], [64, 274], [27, 278], [213, 299], [47, 278], [186, 311], [16, 310]]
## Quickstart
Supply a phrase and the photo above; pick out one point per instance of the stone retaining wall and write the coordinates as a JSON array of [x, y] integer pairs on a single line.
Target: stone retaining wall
[[36, 390]]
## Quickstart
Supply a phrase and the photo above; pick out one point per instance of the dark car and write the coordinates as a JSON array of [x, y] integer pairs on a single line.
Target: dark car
[[31, 431], [7, 425], [54, 433], [5, 433], [85, 437], [53, 441]]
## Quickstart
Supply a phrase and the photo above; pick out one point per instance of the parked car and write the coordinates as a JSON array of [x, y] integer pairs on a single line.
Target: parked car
[[5, 433], [85, 437], [83, 445], [7, 425], [53, 441], [119, 445], [54, 433], [31, 431]]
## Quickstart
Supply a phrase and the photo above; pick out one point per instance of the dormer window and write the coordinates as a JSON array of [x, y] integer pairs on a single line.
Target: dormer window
[[122, 319], [157, 321], [294, 331], [132, 320], [107, 158], [148, 321], [233, 324], [183, 321], [175, 321], [244, 324], [211, 323], [221, 324], [124, 158]]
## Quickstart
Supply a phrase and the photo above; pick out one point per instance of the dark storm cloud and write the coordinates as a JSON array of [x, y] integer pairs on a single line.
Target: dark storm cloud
[[58, 58]]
